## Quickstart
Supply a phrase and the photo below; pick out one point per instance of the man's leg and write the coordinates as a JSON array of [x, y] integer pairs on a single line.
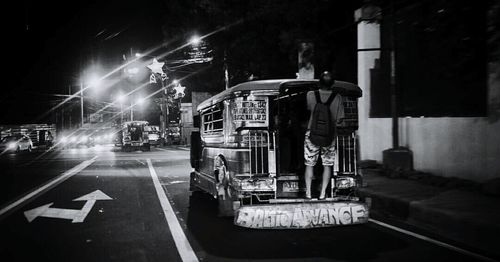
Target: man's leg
[[327, 171], [328, 157], [308, 178], [311, 154]]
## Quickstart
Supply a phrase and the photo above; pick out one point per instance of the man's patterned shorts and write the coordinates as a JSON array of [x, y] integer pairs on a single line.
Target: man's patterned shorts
[[312, 152]]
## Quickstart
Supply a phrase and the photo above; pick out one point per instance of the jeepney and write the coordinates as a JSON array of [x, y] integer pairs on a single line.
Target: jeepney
[[248, 155], [134, 136]]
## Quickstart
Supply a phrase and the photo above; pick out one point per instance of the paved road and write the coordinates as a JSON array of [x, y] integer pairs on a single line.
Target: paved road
[[131, 216]]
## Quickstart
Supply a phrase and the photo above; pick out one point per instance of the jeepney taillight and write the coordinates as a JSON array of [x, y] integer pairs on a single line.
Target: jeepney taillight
[[344, 182], [256, 184]]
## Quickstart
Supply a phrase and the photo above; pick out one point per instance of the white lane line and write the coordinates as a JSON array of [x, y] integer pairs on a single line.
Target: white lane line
[[52, 183], [431, 240], [166, 150], [180, 239]]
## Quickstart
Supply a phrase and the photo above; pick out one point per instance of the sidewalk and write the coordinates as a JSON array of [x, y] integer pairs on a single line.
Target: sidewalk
[[466, 216]]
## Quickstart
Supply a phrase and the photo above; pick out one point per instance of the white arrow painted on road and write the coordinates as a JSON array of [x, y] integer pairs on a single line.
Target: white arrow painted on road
[[77, 216]]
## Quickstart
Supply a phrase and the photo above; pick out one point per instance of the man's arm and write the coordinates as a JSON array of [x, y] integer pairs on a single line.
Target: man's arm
[[310, 100]]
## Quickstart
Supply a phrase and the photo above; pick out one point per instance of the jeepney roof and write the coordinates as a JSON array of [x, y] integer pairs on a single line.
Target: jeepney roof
[[274, 85]]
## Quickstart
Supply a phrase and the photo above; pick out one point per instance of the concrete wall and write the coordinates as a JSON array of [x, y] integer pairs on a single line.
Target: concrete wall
[[460, 147]]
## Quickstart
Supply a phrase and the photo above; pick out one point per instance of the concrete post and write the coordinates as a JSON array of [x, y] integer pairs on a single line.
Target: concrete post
[[367, 18]]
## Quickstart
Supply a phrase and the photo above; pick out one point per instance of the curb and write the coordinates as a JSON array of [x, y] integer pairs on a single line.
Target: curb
[[455, 226]]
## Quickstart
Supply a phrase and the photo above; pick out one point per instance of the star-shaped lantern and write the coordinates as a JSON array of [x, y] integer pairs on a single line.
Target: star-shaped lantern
[[179, 91], [156, 67]]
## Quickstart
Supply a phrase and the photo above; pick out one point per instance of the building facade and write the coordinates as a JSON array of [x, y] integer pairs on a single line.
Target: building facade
[[452, 146]]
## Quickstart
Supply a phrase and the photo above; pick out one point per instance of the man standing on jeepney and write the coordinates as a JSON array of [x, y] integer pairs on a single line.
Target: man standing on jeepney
[[326, 111]]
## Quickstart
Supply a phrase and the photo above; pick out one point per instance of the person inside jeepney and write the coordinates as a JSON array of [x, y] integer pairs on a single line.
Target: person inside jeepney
[[318, 142]]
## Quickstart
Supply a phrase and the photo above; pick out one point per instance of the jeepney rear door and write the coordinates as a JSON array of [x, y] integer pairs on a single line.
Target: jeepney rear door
[[292, 117]]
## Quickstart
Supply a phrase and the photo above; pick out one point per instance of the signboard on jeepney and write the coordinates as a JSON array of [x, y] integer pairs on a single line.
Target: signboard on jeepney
[[301, 215], [250, 113]]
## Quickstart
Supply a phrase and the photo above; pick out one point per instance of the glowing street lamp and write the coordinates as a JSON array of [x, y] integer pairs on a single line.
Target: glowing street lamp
[[133, 71], [195, 40], [93, 81], [140, 101], [120, 98]]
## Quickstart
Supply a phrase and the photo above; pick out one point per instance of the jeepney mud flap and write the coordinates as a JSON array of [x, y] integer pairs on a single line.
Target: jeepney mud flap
[[307, 214]]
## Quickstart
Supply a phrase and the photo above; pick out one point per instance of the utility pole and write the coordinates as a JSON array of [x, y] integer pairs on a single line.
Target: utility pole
[[121, 112], [396, 158], [226, 71], [165, 111], [131, 110], [394, 98], [81, 103]]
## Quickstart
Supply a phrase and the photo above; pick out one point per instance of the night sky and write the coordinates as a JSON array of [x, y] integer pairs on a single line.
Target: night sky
[[48, 45]]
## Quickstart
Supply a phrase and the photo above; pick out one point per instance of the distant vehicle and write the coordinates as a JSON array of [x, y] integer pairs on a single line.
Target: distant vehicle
[[16, 143], [153, 135], [173, 135], [134, 136], [104, 137], [80, 137]]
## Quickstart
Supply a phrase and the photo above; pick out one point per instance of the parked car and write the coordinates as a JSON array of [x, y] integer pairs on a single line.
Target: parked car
[[16, 143]]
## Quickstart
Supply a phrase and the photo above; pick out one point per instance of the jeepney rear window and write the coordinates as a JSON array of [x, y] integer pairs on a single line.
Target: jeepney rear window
[[213, 121]]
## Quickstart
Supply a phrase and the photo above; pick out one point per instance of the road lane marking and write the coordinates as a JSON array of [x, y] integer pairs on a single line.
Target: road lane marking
[[181, 242], [54, 182], [167, 150], [77, 216], [431, 240]]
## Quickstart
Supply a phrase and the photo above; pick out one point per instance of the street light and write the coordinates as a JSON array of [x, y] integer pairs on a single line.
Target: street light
[[93, 81], [140, 101], [195, 40], [133, 71], [121, 98]]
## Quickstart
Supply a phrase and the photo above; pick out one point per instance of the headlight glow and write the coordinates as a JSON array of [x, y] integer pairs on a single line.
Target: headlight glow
[[64, 139], [11, 145], [73, 139]]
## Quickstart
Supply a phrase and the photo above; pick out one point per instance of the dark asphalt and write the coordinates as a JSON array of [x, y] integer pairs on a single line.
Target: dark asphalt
[[132, 226]]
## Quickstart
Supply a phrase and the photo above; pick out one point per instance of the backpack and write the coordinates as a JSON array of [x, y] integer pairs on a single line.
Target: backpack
[[323, 129]]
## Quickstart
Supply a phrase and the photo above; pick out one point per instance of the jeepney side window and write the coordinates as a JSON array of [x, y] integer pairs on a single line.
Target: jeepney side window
[[213, 120]]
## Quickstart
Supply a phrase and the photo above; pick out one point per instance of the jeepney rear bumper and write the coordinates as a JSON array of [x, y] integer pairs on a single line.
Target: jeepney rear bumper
[[302, 214]]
